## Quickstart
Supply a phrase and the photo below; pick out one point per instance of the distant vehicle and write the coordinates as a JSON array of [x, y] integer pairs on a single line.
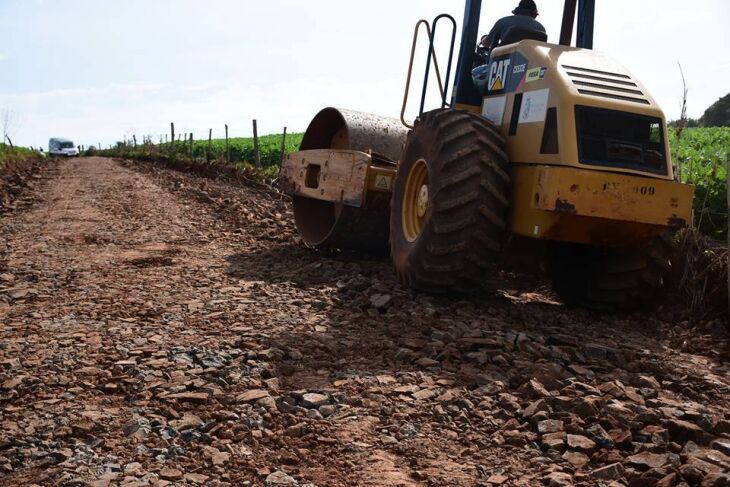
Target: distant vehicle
[[62, 147]]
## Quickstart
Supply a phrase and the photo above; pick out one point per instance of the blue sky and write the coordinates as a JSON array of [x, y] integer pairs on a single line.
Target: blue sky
[[96, 71]]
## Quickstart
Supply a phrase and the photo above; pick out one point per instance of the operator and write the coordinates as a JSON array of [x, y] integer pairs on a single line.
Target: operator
[[524, 18]]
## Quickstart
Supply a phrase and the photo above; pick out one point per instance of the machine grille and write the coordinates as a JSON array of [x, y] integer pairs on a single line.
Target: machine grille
[[620, 139], [605, 84]]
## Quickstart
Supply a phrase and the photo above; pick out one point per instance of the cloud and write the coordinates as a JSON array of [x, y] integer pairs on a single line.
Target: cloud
[[107, 113], [111, 90]]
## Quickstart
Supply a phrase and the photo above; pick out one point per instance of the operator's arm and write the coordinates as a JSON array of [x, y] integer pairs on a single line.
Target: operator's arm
[[492, 39]]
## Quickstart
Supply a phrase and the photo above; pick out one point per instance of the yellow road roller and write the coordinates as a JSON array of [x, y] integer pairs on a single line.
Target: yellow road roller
[[552, 142]]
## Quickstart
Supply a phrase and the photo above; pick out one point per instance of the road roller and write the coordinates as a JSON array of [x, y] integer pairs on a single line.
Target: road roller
[[557, 143]]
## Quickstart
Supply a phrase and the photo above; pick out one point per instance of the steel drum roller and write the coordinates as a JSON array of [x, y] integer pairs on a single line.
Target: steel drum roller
[[334, 225]]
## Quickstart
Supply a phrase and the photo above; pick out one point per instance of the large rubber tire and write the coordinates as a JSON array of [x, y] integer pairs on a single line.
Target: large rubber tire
[[464, 225], [605, 279]]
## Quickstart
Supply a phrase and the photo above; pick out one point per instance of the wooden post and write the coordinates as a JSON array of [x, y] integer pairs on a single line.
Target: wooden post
[[207, 151], [9, 141], [134, 137], [172, 133], [228, 152], [283, 145], [191, 145], [256, 155]]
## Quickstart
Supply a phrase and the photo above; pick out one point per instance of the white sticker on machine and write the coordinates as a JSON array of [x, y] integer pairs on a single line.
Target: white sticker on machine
[[534, 106], [493, 109]]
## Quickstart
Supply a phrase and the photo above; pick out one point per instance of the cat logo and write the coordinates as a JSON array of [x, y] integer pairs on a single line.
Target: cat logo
[[498, 73]]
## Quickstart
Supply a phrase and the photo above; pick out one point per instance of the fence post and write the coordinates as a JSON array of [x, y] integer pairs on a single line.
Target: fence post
[[256, 155], [191, 145], [134, 137], [283, 145], [172, 134], [207, 151], [228, 152]]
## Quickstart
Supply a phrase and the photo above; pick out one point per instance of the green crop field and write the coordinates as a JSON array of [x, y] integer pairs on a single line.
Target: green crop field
[[242, 148], [700, 158]]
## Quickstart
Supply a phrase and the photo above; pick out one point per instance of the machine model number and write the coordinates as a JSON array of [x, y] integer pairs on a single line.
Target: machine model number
[[642, 190], [645, 190]]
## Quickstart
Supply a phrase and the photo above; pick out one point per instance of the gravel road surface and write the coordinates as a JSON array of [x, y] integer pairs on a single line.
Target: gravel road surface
[[157, 328]]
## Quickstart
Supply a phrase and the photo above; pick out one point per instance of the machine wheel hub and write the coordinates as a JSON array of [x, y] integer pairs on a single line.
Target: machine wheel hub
[[422, 200], [415, 201]]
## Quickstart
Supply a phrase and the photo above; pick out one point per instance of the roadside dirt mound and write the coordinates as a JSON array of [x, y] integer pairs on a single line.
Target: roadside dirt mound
[[17, 176], [160, 328]]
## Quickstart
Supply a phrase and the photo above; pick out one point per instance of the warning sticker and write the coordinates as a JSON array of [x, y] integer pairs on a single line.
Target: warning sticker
[[383, 182]]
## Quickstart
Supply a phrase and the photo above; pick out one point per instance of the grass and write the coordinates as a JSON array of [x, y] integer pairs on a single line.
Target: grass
[[12, 155], [210, 158]]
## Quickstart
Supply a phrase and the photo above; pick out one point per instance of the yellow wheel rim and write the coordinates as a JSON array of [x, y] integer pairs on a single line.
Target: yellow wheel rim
[[415, 201]]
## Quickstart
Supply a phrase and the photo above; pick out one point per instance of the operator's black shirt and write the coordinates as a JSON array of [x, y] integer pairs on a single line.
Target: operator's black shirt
[[506, 23]]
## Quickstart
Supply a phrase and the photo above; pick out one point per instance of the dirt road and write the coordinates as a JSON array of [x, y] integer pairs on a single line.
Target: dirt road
[[162, 329]]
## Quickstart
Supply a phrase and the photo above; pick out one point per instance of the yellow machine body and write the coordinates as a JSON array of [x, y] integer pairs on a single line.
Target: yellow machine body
[[580, 187], [587, 144], [594, 207], [563, 78]]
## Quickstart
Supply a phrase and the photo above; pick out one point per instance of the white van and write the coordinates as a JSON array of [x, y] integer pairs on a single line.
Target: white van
[[62, 147]]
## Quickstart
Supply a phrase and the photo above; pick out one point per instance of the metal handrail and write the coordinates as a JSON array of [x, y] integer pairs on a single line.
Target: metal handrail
[[410, 67], [432, 53], [431, 56]]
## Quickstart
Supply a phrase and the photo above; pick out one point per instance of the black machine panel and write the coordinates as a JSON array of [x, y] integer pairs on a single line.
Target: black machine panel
[[618, 139]]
